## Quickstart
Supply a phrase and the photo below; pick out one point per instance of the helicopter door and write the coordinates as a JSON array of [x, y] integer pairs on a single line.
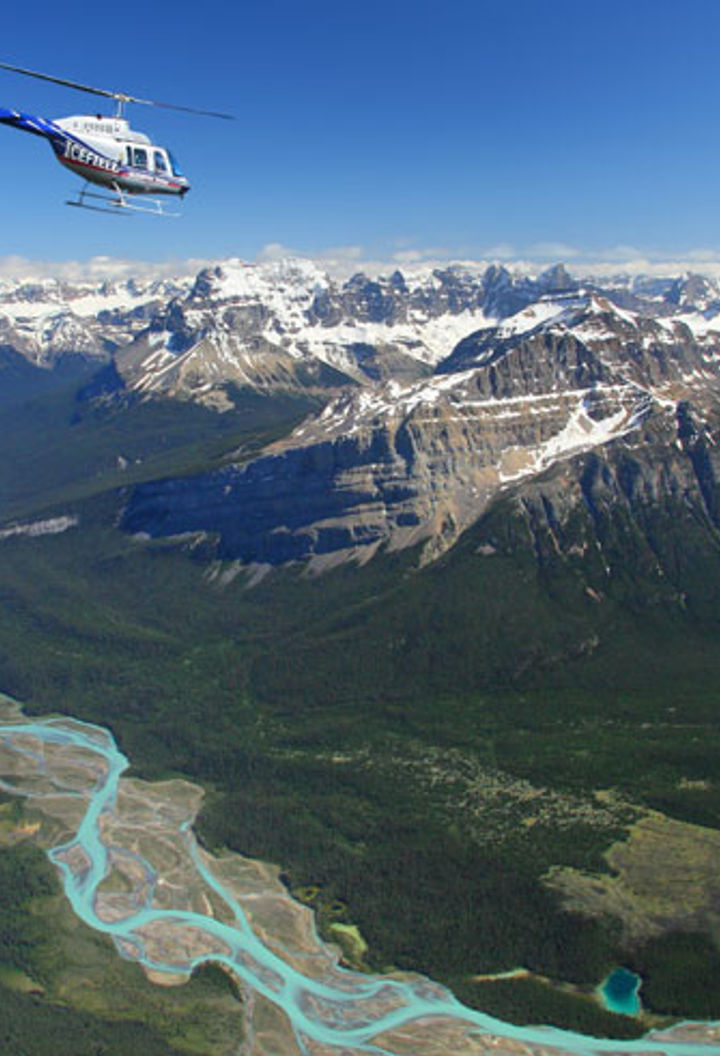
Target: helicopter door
[[137, 157]]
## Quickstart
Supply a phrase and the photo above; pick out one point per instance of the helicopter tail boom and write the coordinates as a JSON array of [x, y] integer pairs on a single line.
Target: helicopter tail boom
[[36, 126]]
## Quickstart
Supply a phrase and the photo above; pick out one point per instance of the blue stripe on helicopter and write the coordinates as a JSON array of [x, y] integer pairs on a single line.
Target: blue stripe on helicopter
[[67, 147], [38, 126]]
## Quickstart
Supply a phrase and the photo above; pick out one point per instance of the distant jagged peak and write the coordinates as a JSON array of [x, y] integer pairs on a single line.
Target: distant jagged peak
[[460, 282], [85, 297], [497, 275], [241, 279], [693, 291], [557, 279]]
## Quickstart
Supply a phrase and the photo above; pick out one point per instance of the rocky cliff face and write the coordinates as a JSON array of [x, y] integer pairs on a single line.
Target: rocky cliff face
[[397, 464]]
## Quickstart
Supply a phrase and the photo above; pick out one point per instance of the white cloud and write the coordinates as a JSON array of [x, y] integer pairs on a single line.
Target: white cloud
[[618, 253], [97, 268], [501, 251], [417, 256], [343, 253], [277, 251], [342, 261], [703, 256], [408, 256]]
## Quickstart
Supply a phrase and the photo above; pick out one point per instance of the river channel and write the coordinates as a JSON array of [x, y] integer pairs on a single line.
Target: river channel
[[132, 869]]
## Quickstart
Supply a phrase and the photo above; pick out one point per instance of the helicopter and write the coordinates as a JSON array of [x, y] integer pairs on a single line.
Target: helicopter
[[107, 153]]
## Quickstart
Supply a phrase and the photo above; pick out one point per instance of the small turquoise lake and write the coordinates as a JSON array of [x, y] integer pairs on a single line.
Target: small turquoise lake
[[619, 992]]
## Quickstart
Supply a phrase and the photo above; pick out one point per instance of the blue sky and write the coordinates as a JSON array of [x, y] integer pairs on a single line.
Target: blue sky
[[399, 129]]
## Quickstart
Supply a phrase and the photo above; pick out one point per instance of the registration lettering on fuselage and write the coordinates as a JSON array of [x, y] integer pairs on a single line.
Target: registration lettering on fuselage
[[76, 152]]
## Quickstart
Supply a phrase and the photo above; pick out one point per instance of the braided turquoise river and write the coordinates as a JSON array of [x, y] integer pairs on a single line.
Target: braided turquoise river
[[132, 869]]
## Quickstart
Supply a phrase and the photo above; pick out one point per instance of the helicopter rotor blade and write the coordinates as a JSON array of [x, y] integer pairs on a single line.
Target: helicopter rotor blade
[[187, 109], [68, 84], [121, 97]]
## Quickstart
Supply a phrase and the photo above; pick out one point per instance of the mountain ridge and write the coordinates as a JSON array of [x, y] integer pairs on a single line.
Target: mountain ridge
[[438, 390]]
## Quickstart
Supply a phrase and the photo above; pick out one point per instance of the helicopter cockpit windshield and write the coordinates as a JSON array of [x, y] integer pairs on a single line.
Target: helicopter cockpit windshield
[[177, 171]]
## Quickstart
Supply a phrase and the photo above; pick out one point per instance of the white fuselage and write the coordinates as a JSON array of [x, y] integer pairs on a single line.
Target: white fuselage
[[106, 151]]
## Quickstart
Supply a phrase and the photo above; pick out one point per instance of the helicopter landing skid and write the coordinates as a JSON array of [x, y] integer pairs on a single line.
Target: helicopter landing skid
[[117, 202]]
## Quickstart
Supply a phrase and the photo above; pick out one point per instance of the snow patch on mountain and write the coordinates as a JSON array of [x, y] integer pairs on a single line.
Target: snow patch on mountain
[[425, 339], [582, 432]]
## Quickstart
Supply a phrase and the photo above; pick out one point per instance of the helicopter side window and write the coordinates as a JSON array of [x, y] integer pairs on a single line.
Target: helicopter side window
[[160, 163], [140, 158]]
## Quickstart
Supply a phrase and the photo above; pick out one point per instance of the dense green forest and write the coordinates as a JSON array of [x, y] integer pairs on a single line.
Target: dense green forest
[[30, 1026], [688, 956], [532, 1001]]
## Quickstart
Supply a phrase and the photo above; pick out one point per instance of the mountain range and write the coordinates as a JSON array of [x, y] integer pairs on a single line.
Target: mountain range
[[436, 393]]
